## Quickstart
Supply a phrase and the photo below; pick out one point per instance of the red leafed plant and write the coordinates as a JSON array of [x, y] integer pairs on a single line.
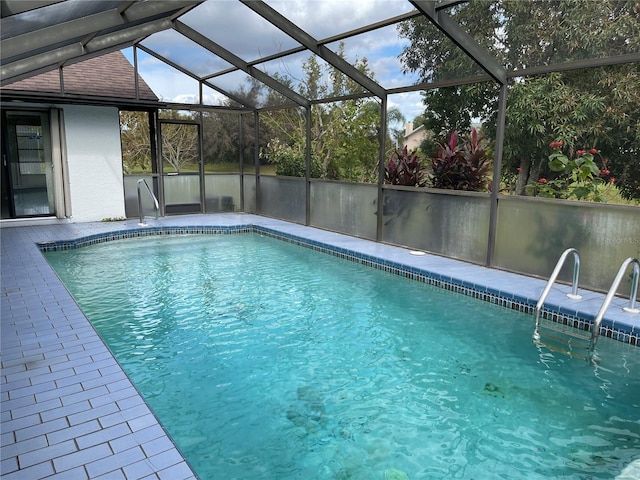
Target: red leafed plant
[[404, 168], [462, 165]]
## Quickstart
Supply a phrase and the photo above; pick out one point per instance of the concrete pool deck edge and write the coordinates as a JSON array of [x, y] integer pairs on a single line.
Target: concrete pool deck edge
[[68, 409]]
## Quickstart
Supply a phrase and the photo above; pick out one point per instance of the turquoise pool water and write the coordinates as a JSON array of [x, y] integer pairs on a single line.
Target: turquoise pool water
[[264, 359]]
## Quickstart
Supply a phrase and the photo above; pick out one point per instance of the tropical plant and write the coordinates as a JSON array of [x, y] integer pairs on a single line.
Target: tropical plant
[[577, 175], [595, 106], [404, 168], [462, 166]]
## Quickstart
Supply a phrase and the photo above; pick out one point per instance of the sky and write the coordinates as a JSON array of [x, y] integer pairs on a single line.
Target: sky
[[238, 29]]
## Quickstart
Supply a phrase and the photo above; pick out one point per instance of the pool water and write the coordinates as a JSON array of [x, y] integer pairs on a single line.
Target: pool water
[[263, 359]]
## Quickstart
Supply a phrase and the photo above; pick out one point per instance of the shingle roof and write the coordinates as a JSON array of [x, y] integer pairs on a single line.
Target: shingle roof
[[109, 75]]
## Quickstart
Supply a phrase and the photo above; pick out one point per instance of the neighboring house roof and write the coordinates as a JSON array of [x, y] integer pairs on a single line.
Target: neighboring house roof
[[109, 75]]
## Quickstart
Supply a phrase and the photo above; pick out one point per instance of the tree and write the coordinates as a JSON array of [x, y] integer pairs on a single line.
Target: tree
[[135, 140], [454, 109], [345, 134], [436, 58], [621, 88], [290, 160], [179, 145], [179, 141], [575, 106], [220, 131], [550, 107], [578, 108]]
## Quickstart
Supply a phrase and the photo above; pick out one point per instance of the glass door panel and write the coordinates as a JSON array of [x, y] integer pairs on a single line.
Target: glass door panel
[[27, 165]]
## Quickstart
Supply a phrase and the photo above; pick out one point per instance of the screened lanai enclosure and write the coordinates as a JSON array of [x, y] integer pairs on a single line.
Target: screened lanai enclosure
[[526, 114]]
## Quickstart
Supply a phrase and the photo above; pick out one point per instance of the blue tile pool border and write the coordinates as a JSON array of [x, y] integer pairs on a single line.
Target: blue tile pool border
[[619, 331]]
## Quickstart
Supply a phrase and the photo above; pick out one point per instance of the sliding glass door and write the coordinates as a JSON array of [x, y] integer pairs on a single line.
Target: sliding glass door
[[27, 165]]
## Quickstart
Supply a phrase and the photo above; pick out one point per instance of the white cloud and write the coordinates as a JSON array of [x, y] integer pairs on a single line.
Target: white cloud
[[238, 29], [409, 103], [235, 27], [323, 19], [170, 85]]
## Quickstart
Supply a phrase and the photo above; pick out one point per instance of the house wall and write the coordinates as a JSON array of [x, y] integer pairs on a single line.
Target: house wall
[[413, 141], [414, 138], [91, 140], [94, 158]]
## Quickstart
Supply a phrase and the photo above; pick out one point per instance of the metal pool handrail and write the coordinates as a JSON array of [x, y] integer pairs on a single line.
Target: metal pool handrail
[[556, 271], [155, 200], [595, 333]]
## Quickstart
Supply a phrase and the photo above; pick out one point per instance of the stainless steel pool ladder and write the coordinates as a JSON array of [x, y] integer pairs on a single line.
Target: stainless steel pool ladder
[[595, 332], [559, 337], [155, 200], [554, 276]]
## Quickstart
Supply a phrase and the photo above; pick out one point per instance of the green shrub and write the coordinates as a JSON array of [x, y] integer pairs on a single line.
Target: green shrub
[[576, 175], [290, 161]]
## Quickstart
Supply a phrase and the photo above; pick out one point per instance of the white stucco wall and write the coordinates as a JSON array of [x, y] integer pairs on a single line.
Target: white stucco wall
[[94, 158], [414, 138]]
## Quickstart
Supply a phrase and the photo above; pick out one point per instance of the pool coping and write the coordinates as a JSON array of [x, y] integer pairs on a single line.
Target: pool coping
[[68, 409]]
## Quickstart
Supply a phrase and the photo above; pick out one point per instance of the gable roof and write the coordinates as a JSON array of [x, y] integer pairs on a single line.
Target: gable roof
[[109, 75]]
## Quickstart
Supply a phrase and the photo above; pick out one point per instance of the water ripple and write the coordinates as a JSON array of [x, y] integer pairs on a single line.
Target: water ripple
[[265, 360]]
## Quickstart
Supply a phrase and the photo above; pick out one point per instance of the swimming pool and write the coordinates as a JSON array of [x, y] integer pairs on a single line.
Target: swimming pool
[[266, 360]]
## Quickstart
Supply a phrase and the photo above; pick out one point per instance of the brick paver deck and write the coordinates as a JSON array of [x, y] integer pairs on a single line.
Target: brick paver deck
[[68, 410]]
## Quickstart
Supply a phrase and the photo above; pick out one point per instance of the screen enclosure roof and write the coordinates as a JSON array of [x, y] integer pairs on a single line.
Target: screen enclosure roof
[[222, 46]]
